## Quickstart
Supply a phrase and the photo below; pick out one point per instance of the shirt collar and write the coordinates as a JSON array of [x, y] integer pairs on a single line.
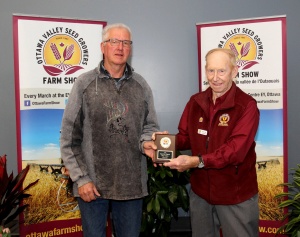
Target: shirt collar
[[106, 73], [221, 98]]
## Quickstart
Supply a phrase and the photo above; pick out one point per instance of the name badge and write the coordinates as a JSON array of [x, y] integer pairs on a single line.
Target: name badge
[[202, 132]]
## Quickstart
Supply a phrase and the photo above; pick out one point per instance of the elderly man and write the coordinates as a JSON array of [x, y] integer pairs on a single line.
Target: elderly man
[[107, 125], [219, 126]]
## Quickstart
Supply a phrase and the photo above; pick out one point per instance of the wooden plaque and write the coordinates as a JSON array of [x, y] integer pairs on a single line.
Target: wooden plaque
[[166, 147]]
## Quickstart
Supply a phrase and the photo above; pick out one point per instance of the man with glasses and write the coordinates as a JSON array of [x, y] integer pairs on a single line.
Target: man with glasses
[[219, 126], [106, 128]]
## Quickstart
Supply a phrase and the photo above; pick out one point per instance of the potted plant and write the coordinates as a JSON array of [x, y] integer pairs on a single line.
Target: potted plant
[[12, 194], [291, 199], [4, 232], [167, 193]]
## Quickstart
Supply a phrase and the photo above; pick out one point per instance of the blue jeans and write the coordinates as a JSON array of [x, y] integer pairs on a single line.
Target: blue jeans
[[126, 217]]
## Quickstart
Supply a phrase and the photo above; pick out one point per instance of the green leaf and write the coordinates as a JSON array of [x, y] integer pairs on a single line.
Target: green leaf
[[286, 203], [169, 173], [149, 205], [168, 217], [294, 221], [184, 198], [162, 201], [292, 226], [162, 174], [282, 195], [172, 196], [162, 192], [14, 214], [150, 219], [156, 205], [162, 214], [297, 182], [6, 235], [144, 222], [296, 206]]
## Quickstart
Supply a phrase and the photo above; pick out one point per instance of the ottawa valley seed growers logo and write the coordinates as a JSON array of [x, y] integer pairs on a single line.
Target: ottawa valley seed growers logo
[[61, 51], [246, 45]]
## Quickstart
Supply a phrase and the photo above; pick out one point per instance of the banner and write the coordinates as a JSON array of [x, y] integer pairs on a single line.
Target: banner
[[260, 48], [49, 54]]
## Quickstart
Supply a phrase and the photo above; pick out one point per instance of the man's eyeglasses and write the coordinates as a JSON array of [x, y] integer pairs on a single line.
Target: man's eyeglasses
[[211, 72], [116, 42]]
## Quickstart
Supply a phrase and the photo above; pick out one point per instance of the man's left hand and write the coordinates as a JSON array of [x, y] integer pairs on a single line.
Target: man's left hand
[[183, 163]]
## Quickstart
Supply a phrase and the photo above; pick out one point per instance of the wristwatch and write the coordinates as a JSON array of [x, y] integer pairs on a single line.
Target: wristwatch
[[201, 163]]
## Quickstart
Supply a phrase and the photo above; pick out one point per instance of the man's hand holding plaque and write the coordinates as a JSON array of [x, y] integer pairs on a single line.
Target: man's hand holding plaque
[[166, 149]]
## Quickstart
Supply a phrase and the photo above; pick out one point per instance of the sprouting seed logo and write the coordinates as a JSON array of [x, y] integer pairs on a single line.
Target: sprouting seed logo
[[246, 45], [61, 51]]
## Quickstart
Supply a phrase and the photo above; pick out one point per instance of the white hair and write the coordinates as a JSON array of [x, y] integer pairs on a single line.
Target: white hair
[[113, 26]]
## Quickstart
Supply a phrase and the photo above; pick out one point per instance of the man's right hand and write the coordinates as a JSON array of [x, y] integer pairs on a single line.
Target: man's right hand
[[88, 192]]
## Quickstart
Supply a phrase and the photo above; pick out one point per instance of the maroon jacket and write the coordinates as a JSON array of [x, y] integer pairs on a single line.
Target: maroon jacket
[[227, 145]]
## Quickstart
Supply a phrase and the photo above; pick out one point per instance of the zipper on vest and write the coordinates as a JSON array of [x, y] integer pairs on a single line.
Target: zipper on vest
[[236, 169], [206, 145]]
